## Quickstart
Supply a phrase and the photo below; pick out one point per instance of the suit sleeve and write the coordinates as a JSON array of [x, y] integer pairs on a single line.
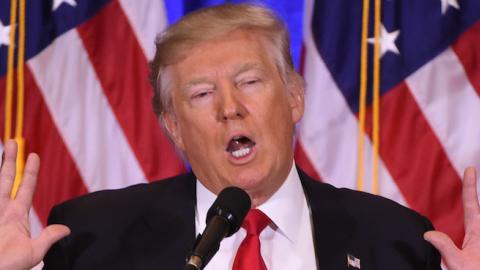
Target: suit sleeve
[[433, 256], [57, 257]]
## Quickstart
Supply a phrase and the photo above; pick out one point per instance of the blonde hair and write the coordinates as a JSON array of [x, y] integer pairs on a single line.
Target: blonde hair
[[207, 24]]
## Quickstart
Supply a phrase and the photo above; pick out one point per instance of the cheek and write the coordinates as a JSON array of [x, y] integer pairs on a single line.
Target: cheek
[[280, 111], [197, 133], [277, 119]]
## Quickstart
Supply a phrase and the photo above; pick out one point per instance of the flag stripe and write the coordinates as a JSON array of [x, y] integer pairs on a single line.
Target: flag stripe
[[302, 160], [145, 24], [35, 224], [300, 156], [119, 79], [58, 177], [466, 48], [452, 109], [35, 229], [86, 122], [418, 163], [329, 134]]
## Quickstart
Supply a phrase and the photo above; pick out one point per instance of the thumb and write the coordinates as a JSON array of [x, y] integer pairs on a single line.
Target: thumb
[[46, 239], [444, 244]]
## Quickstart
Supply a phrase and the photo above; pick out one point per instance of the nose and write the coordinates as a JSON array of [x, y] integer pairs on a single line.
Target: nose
[[230, 104]]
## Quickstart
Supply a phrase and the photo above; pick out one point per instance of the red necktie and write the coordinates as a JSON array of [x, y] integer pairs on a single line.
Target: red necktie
[[248, 255]]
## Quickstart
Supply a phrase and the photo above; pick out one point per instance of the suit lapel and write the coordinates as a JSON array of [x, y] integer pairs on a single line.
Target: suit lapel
[[332, 226], [163, 237]]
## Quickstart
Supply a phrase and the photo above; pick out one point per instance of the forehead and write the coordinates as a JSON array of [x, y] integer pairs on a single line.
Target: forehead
[[229, 54]]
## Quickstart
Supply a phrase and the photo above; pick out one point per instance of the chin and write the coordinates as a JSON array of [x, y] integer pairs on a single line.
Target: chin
[[250, 181]]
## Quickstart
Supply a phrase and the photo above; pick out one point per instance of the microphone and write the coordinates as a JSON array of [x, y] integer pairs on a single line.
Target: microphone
[[224, 218]]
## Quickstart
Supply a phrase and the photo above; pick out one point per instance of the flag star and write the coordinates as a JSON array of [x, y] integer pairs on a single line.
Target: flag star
[[57, 3], [387, 41], [4, 34], [448, 3]]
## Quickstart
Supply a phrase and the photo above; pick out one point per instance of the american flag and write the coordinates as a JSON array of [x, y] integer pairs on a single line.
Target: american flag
[[88, 101], [430, 104]]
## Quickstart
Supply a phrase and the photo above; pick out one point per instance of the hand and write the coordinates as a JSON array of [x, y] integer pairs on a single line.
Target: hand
[[18, 251], [468, 257]]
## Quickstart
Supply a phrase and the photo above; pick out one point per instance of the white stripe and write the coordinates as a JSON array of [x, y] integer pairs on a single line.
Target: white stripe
[[451, 106], [38, 266], [35, 229], [328, 130], [82, 114], [35, 224], [147, 18]]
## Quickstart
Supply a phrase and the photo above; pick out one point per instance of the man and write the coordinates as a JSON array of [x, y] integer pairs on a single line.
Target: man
[[229, 98]]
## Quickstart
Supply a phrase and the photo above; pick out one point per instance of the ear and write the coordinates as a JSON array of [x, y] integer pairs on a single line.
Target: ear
[[296, 97], [171, 124]]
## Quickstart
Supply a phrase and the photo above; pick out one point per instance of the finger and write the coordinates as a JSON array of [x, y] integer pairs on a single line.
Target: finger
[[7, 172], [46, 239], [469, 196], [29, 181], [446, 247]]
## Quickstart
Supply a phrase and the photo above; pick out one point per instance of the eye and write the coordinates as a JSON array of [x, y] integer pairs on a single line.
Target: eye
[[200, 91], [202, 94], [249, 82], [253, 81]]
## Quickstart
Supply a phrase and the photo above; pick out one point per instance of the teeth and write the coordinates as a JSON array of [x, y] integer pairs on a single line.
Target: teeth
[[241, 152]]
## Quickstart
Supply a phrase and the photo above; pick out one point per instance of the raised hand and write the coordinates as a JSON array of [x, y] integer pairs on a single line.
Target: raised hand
[[468, 257], [18, 251]]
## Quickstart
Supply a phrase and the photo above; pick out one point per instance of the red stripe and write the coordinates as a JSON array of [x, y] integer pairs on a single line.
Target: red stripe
[[468, 51], [301, 158], [58, 178], [304, 163], [122, 68], [417, 162]]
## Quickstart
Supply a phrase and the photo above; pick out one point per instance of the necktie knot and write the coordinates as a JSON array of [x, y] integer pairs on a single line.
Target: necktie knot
[[255, 222]]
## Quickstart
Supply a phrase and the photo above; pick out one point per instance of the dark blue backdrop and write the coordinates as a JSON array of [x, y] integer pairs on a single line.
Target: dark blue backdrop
[[290, 11]]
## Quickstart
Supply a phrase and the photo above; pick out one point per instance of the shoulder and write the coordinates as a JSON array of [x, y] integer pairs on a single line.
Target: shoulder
[[363, 206], [122, 203], [108, 227]]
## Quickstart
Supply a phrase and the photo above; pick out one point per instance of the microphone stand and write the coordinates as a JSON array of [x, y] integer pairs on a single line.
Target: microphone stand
[[194, 263], [207, 244], [223, 219]]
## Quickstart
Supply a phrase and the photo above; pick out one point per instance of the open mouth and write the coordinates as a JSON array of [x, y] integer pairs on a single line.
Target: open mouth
[[240, 146]]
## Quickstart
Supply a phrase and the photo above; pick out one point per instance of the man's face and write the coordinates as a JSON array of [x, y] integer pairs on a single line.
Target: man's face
[[233, 115]]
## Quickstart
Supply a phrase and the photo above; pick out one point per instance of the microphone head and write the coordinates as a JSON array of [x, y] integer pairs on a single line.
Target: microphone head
[[232, 204]]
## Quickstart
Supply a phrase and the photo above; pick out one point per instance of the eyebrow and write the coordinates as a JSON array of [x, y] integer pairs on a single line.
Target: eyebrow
[[247, 66], [237, 70], [198, 80]]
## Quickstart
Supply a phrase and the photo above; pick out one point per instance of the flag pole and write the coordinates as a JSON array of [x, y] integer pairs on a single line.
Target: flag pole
[[376, 99], [363, 94]]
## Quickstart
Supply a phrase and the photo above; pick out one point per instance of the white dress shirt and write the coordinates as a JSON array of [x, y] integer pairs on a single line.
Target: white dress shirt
[[285, 244]]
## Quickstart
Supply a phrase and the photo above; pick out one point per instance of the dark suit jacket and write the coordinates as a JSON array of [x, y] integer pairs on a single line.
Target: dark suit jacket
[[152, 226]]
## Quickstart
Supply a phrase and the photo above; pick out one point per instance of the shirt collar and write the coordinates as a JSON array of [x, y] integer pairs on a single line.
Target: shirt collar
[[284, 208]]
